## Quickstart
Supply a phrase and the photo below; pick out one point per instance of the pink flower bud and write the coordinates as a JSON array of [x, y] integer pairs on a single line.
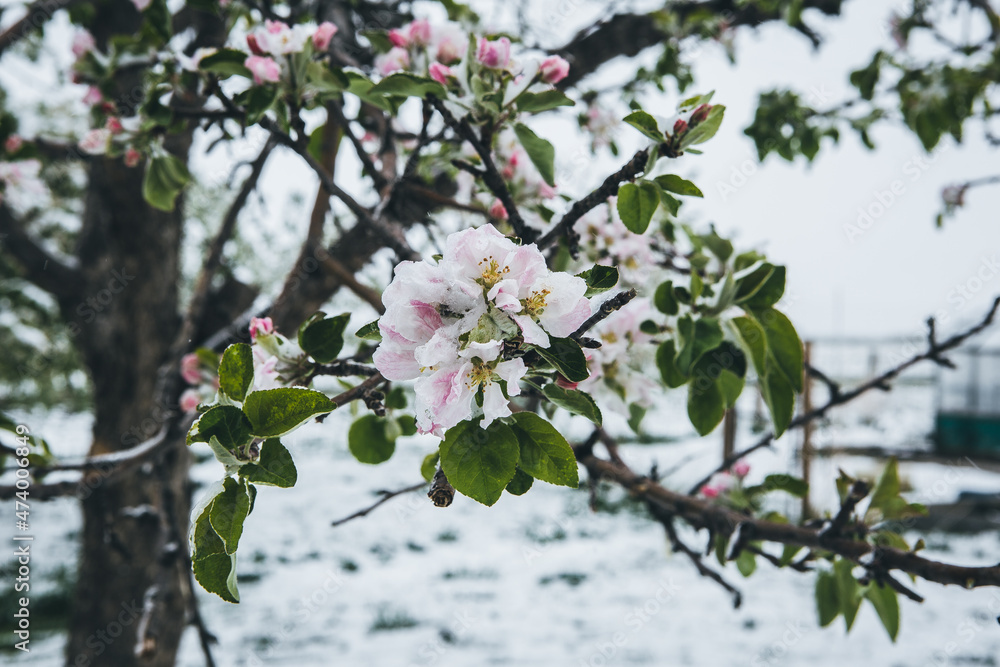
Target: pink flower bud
[[93, 96], [700, 114], [95, 142], [13, 143], [142, 4], [554, 69], [324, 33], [260, 326], [275, 27], [498, 210], [189, 401], [419, 32], [564, 383], [83, 42], [398, 39], [264, 70], [741, 469], [681, 126], [114, 125], [395, 60], [710, 492], [546, 191], [132, 157], [496, 54], [440, 73], [191, 368]]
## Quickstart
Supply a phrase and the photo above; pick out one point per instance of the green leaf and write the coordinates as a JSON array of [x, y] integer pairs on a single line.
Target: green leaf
[[886, 604], [678, 185], [696, 337], [217, 574], [599, 279], [750, 282], [257, 100], [731, 385], [275, 466], [827, 602], [229, 510], [369, 331], [274, 412], [566, 355], [545, 454], [769, 292], [636, 413], [780, 399], [575, 401], [407, 424], [540, 151], [848, 591], [480, 462], [520, 484], [429, 466], [706, 129], [636, 205], [664, 299], [227, 423], [783, 344], [165, 177], [543, 101], [746, 563], [706, 404], [404, 84], [646, 124], [323, 339], [788, 553], [778, 482], [752, 336], [326, 80], [666, 362], [369, 439], [225, 63], [236, 371]]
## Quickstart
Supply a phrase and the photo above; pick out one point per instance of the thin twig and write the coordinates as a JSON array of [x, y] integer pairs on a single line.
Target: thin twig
[[386, 496], [616, 302]]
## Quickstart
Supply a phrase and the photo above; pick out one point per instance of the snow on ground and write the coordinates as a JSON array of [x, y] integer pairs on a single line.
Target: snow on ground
[[540, 579]]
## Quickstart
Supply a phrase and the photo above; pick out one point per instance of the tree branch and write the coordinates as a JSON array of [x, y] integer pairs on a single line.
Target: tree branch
[[40, 267], [386, 497]]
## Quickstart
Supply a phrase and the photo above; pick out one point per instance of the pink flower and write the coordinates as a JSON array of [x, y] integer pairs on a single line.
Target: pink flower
[[451, 46], [83, 42], [93, 96], [546, 191], [440, 73], [141, 4], [555, 303], [265, 370], [395, 60], [681, 126], [190, 400], [277, 38], [419, 32], [95, 142], [260, 326], [113, 125], [13, 143], [710, 492], [741, 469], [324, 33], [264, 70], [191, 368], [496, 54], [398, 39], [132, 157], [498, 210], [554, 69]]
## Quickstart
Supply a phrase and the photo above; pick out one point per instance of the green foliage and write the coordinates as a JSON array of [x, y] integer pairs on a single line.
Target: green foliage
[[405, 84], [636, 205], [575, 401], [165, 177], [236, 371], [274, 467], [538, 102], [783, 125], [599, 279], [480, 462], [544, 452], [372, 439], [322, 338], [646, 124], [540, 152], [274, 412], [567, 357]]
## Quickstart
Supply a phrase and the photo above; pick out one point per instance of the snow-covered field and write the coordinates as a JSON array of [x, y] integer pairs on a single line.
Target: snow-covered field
[[540, 579]]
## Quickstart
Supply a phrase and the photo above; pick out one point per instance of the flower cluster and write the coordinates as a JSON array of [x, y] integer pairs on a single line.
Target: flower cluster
[[454, 326], [275, 39], [619, 366], [198, 369], [723, 482], [20, 183], [604, 239]]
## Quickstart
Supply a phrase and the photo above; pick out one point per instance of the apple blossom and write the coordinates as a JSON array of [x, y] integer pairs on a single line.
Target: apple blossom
[[141, 5], [554, 69], [191, 368], [494, 54], [132, 157], [83, 42], [13, 143], [395, 60], [260, 326], [264, 69], [277, 38], [324, 33], [93, 96], [95, 142], [498, 210], [190, 400], [419, 32], [452, 44], [741, 469], [440, 73], [113, 125], [398, 38]]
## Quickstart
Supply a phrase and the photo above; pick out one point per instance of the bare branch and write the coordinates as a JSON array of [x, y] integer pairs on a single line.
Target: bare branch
[[39, 265], [386, 497]]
